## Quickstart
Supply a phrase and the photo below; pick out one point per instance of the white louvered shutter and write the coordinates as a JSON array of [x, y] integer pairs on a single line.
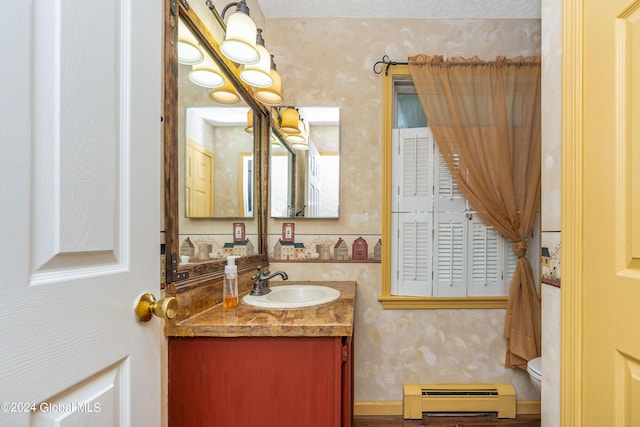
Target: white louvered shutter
[[412, 205], [510, 265], [450, 259], [486, 260], [414, 256], [413, 177], [440, 248], [448, 197]]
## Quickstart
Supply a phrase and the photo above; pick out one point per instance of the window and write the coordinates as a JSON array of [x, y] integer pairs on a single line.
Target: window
[[440, 255]]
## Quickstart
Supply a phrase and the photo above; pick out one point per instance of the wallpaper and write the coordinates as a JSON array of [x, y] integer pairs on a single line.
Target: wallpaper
[[329, 62]]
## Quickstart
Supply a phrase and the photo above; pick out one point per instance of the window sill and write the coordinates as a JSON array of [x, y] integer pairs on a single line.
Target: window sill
[[403, 302]]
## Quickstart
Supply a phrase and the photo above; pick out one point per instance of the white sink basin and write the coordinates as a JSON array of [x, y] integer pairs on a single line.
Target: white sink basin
[[294, 296]]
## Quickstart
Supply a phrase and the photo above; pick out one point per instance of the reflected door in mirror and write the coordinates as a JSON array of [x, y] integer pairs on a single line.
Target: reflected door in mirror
[[199, 166]]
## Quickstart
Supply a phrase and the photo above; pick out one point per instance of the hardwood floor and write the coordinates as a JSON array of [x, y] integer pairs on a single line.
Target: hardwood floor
[[446, 421]]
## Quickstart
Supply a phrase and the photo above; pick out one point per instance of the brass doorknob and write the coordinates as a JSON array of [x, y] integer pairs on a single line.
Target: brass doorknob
[[147, 306]]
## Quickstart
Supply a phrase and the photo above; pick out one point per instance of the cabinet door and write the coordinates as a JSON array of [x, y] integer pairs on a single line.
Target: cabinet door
[[247, 381]]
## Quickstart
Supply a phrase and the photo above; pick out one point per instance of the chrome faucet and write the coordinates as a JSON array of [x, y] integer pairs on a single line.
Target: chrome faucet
[[261, 281]]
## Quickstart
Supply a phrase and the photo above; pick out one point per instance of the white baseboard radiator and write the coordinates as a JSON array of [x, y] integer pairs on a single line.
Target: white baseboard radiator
[[459, 398]]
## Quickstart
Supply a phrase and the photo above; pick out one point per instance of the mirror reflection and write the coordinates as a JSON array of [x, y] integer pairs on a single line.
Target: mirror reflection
[[218, 163], [216, 166], [215, 140], [305, 170]]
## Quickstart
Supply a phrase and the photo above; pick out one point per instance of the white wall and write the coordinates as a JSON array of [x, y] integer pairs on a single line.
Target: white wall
[[551, 200]]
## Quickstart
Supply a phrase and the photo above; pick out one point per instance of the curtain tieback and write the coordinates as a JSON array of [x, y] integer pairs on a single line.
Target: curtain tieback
[[520, 249]]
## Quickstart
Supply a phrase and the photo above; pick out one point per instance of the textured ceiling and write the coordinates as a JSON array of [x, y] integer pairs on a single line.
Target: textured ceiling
[[400, 8]]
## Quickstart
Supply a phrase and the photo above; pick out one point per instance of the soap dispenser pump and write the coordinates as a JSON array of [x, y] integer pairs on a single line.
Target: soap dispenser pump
[[230, 286]]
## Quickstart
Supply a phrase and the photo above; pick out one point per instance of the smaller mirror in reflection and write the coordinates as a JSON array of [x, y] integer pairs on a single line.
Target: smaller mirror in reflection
[[219, 163], [305, 166]]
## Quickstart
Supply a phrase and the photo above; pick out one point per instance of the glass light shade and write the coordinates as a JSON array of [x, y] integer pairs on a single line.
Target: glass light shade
[[300, 146], [239, 44], [188, 53], [206, 74], [290, 121], [298, 140], [258, 74], [225, 94], [295, 138], [273, 94], [249, 128]]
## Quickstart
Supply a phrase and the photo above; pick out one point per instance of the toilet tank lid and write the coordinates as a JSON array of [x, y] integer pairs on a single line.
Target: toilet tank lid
[[535, 365]]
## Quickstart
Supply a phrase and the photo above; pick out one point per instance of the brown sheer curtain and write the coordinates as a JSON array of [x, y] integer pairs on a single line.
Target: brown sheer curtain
[[485, 117]]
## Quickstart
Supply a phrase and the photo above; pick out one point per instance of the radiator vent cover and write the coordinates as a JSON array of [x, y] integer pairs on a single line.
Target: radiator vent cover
[[459, 398]]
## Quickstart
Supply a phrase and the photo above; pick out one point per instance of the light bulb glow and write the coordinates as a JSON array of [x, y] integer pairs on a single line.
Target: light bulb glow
[[259, 74], [273, 94], [239, 44], [206, 74], [225, 94], [188, 53]]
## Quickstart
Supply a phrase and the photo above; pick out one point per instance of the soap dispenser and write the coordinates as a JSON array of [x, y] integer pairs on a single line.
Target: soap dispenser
[[230, 286]]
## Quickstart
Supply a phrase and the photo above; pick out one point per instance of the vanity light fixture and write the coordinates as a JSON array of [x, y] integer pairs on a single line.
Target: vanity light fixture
[[206, 74], [300, 146], [295, 138], [272, 95], [249, 128], [239, 44], [189, 53], [290, 121], [225, 94], [299, 140], [258, 74]]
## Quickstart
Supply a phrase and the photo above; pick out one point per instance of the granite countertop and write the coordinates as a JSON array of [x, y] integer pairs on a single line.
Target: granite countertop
[[331, 319]]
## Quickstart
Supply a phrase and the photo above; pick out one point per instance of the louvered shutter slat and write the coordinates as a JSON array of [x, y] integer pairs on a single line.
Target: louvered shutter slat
[[414, 256], [486, 258], [450, 258]]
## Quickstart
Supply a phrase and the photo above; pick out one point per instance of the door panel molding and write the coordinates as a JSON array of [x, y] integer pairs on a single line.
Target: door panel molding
[[572, 218], [80, 139]]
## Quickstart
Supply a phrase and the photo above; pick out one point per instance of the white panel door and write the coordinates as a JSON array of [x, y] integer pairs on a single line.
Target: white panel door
[[79, 212]]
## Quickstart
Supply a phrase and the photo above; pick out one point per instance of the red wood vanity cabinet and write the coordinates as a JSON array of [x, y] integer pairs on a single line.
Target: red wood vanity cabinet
[[261, 381]]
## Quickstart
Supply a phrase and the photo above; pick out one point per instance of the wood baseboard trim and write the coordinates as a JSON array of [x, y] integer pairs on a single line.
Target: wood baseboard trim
[[377, 408], [528, 407], [523, 407]]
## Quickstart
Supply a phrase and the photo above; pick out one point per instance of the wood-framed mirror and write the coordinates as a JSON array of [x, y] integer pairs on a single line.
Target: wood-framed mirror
[[215, 159], [305, 173]]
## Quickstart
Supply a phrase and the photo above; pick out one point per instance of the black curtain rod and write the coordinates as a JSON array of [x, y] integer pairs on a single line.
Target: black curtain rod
[[388, 62]]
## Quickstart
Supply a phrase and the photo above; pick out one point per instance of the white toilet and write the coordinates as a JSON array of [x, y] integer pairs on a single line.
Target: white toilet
[[534, 367]]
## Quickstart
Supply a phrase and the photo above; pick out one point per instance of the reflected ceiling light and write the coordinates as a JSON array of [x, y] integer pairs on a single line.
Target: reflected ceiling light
[[239, 44], [299, 140], [206, 74], [189, 53], [225, 94], [290, 121], [300, 146], [258, 74], [296, 137], [249, 128], [273, 94]]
